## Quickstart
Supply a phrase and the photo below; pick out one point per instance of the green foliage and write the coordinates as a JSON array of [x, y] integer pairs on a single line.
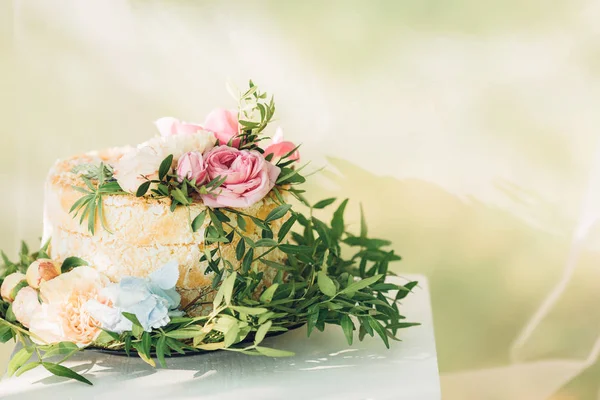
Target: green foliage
[[99, 182]]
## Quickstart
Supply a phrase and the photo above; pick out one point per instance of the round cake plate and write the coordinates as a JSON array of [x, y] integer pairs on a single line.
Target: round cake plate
[[133, 352]]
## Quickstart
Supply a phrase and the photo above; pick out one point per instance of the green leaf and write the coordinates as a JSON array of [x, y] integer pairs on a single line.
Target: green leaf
[[262, 332], [60, 349], [285, 227], [10, 315], [231, 336], [266, 351], [358, 285], [216, 222], [228, 287], [127, 345], [241, 222], [106, 337], [6, 333], [278, 212], [313, 317], [267, 295], [402, 325], [27, 367], [240, 250], [265, 243], [277, 265], [324, 203], [137, 329], [198, 221], [347, 327], [377, 327], [161, 350], [165, 167], [408, 288], [247, 260], [326, 285], [143, 189], [249, 310], [22, 284], [189, 332], [180, 197], [366, 242], [259, 223], [146, 343], [60, 370], [363, 223], [72, 262], [294, 249], [19, 359]]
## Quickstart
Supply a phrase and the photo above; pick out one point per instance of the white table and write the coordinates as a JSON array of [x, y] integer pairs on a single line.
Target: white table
[[324, 367]]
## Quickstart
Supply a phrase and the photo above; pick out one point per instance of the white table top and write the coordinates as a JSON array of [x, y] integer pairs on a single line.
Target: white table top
[[324, 367]]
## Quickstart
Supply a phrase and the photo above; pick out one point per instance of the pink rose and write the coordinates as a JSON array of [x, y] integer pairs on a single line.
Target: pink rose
[[169, 126], [224, 124], [249, 177], [191, 166], [280, 147]]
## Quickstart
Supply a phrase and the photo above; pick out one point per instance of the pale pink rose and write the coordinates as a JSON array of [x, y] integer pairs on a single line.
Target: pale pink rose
[[42, 270], [249, 177], [169, 126], [191, 166], [62, 315], [25, 305], [8, 285], [280, 147], [224, 124]]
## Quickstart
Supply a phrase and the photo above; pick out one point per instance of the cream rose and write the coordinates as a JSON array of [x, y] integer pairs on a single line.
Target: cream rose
[[9, 284], [42, 270], [142, 163], [62, 315], [25, 305]]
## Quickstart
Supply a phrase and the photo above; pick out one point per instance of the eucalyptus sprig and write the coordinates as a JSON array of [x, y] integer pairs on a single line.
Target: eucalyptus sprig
[[99, 182]]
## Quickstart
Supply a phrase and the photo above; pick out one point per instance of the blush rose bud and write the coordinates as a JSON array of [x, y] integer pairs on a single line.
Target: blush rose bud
[[42, 270], [11, 285], [25, 305], [191, 166]]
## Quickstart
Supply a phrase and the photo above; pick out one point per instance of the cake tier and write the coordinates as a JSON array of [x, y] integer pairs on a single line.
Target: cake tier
[[144, 233]]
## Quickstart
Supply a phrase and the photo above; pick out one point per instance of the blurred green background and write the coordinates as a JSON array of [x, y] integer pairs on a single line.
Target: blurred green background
[[468, 129]]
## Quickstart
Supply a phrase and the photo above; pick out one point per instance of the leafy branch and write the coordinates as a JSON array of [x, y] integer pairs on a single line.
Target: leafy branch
[[99, 182]]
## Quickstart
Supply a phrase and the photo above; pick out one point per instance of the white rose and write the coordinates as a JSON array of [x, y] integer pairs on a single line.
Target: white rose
[[25, 305], [141, 164]]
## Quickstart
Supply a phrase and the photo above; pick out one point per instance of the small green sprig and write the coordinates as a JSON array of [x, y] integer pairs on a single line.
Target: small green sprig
[[256, 111], [99, 182], [181, 191]]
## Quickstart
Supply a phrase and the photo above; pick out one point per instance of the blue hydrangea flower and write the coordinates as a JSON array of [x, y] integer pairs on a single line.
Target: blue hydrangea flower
[[152, 300]]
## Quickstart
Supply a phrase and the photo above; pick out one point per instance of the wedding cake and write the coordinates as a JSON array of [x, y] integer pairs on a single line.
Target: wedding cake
[[198, 239]]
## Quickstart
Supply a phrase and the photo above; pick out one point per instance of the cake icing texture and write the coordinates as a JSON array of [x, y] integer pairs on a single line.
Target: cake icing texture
[[145, 233]]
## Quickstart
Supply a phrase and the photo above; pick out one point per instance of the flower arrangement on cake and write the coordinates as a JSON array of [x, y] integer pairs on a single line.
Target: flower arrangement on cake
[[190, 243]]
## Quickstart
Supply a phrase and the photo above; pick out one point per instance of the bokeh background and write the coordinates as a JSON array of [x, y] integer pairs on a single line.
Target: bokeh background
[[468, 129]]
